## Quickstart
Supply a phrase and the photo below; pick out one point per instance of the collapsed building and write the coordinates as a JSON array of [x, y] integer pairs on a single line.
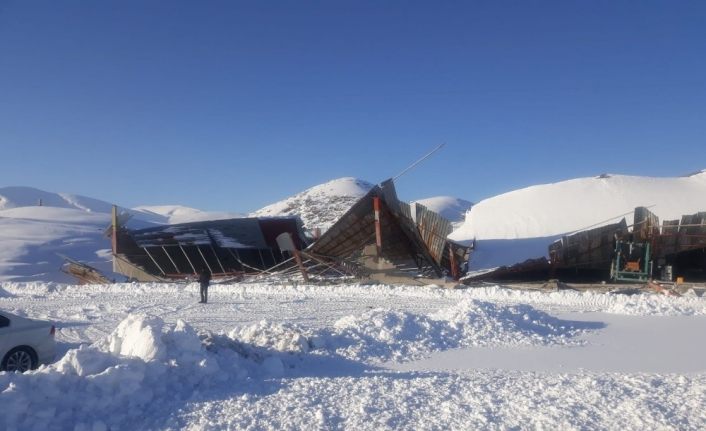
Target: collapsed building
[[389, 240], [379, 238], [640, 252], [227, 248]]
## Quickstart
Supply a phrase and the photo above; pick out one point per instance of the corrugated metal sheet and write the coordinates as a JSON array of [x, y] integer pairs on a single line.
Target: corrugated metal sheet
[[230, 233], [434, 229]]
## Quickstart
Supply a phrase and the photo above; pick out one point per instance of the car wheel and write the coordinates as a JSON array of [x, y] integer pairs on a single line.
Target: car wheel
[[19, 359]]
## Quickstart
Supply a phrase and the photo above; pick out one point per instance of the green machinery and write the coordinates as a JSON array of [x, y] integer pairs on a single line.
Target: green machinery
[[632, 261]]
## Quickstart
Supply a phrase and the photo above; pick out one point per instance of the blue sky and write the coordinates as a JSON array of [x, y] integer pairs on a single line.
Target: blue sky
[[233, 105]]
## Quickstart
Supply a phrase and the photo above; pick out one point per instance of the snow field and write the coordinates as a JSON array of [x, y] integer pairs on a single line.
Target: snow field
[[277, 356], [144, 363]]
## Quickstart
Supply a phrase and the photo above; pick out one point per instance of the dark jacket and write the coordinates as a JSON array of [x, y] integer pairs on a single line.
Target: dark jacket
[[205, 277]]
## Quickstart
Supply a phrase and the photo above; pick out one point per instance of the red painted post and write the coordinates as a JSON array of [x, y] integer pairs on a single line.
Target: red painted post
[[378, 231], [452, 260]]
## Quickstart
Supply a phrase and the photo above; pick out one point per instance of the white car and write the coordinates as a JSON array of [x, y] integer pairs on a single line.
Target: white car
[[25, 343]]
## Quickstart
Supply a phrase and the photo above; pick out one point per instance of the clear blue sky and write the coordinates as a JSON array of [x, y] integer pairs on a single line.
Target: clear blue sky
[[232, 105]]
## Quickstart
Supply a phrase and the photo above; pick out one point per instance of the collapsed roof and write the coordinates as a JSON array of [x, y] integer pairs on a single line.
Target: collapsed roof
[[409, 237], [225, 247], [410, 240]]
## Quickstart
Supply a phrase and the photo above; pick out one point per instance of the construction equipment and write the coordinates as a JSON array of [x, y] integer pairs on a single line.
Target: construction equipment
[[631, 262]]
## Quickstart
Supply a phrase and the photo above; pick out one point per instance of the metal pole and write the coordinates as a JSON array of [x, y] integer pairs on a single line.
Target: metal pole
[[170, 259], [153, 260], [378, 230], [262, 259], [204, 259], [217, 259], [237, 259], [187, 258], [418, 161]]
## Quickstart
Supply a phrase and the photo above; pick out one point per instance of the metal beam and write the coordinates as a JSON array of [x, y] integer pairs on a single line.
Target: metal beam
[[204, 259], [217, 259], [187, 259], [171, 260], [153, 260]]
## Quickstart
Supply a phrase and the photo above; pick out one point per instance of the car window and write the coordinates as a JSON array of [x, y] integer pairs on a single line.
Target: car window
[[4, 321]]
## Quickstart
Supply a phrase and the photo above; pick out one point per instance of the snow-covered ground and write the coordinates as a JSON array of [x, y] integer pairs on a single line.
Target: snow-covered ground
[[283, 356]]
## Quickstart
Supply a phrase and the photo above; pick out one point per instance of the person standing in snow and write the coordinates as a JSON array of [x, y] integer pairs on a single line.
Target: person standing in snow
[[204, 280]]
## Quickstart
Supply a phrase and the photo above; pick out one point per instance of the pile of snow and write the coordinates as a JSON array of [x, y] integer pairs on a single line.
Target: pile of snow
[[274, 336], [451, 208], [144, 365], [384, 334], [319, 206]]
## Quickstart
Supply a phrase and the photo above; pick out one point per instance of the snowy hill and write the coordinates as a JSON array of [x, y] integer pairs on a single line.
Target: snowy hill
[[452, 209], [520, 224], [17, 197], [31, 237], [319, 206], [173, 214]]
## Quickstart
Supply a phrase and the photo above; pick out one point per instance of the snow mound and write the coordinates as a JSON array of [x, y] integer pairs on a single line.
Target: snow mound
[[383, 334], [319, 206], [143, 365], [137, 336], [554, 209], [452, 209], [274, 336]]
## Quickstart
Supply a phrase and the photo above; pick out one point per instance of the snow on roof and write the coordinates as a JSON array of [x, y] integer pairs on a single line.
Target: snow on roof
[[451, 208], [567, 206]]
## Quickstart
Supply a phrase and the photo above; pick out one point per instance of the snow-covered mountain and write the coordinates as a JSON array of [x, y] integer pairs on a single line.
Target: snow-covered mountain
[[319, 206], [17, 197], [520, 224], [173, 214]]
